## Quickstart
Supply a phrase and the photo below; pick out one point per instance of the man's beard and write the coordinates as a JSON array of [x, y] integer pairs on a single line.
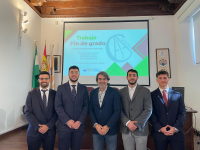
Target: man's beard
[[132, 83], [73, 80], [44, 86]]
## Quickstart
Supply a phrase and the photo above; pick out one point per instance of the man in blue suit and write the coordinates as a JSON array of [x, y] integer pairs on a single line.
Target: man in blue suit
[[71, 105], [105, 110], [168, 115], [41, 115]]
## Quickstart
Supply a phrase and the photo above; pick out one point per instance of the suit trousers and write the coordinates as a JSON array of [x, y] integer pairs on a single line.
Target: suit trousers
[[74, 138], [174, 145], [132, 141], [34, 143]]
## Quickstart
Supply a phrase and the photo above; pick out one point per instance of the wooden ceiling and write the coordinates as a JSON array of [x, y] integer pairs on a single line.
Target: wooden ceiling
[[104, 8]]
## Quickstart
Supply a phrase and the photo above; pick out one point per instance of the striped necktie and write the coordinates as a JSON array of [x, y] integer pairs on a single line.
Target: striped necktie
[[44, 101], [74, 93]]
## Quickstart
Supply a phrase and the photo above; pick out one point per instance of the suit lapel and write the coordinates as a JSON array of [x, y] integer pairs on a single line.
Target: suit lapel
[[78, 92], [67, 87], [39, 98], [126, 92], [136, 92], [49, 100], [96, 93], [169, 97], [160, 97], [105, 96]]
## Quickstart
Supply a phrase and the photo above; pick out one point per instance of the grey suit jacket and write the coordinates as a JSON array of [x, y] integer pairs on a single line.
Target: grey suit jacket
[[138, 109]]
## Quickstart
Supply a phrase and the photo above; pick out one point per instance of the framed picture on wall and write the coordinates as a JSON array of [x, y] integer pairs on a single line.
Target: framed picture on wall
[[57, 63], [162, 60]]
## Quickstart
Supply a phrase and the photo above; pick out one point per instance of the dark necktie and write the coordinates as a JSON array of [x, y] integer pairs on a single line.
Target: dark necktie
[[74, 93], [44, 101], [165, 97]]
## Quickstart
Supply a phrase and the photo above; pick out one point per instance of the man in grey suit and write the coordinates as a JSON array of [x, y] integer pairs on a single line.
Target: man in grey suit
[[136, 110]]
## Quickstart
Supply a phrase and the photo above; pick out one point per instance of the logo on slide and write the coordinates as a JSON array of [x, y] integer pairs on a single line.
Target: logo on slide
[[118, 49]]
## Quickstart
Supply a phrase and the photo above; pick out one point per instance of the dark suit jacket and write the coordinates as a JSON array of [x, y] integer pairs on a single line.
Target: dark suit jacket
[[109, 113], [67, 109], [35, 115], [173, 114]]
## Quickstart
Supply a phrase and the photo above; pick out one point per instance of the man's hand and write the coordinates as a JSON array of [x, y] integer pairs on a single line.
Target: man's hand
[[70, 123], [43, 128], [172, 130], [168, 133], [131, 125], [105, 129], [76, 125], [99, 129]]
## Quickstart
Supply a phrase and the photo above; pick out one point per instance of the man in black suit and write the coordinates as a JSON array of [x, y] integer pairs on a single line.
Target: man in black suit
[[168, 115], [41, 115], [71, 105]]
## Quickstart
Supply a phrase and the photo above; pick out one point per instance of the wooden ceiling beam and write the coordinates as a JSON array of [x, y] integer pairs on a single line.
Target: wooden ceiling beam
[[113, 11], [86, 3]]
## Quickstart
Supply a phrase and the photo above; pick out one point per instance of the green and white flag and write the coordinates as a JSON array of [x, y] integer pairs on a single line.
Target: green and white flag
[[36, 70]]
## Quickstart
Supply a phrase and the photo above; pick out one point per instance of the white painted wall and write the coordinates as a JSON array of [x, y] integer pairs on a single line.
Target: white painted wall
[[15, 64], [162, 35], [188, 72]]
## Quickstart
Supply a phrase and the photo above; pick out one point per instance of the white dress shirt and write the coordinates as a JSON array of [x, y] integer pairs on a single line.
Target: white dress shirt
[[167, 91], [131, 92], [46, 93]]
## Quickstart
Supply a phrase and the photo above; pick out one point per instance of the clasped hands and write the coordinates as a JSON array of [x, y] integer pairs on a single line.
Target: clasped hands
[[43, 128], [132, 126], [101, 130], [73, 125], [168, 133]]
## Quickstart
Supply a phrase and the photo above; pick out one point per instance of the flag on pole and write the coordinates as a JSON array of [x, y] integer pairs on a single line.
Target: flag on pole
[[51, 68], [44, 60], [36, 70]]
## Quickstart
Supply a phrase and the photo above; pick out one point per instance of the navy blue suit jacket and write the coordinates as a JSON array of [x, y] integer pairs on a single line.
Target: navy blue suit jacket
[[35, 115], [173, 114], [110, 111], [67, 109]]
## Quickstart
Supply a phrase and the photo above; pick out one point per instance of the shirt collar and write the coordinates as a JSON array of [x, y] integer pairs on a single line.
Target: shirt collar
[[167, 89], [103, 91], [70, 83], [132, 88], [44, 89]]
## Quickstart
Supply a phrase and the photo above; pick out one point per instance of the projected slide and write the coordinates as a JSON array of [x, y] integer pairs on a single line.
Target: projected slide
[[114, 51]]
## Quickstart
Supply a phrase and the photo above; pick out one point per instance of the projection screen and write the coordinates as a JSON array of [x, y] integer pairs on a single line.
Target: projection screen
[[110, 46]]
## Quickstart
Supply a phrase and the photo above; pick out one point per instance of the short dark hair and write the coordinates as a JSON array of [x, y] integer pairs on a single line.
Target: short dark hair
[[132, 70], [43, 72], [162, 72], [104, 74], [73, 67]]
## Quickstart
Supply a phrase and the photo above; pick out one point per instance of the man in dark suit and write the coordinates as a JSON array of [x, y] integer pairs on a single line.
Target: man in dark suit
[[104, 109], [41, 115], [71, 105], [168, 115]]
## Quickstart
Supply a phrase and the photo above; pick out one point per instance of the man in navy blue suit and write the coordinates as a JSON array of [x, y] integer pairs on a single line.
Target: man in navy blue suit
[[41, 115], [71, 105], [168, 115], [105, 110]]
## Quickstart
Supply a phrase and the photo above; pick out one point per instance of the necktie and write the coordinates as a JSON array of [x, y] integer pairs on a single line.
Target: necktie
[[74, 93], [165, 97], [44, 101]]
